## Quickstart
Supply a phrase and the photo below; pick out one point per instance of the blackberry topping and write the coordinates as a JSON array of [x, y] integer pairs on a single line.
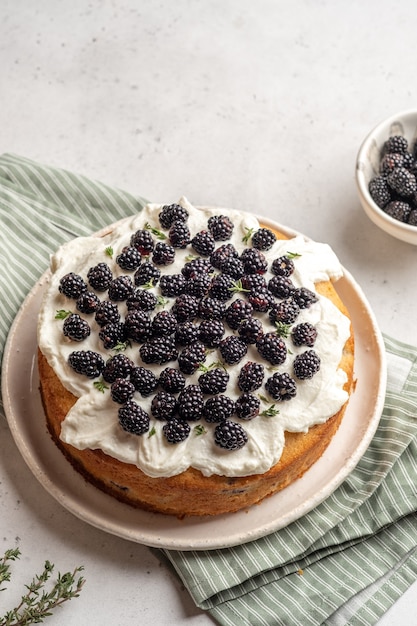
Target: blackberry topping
[[129, 259], [176, 431], [163, 405], [186, 333], [247, 406], [230, 435], [218, 408], [392, 160], [107, 313], [261, 300], [285, 312], [306, 364], [211, 309], [220, 227], [158, 350], [172, 213], [253, 282], [163, 254], [214, 381], [120, 288], [223, 253], [87, 363], [250, 330], [233, 267], [236, 312], [222, 287], [138, 325], [190, 403], [122, 390], [191, 357], [118, 366], [304, 334], [197, 266], [144, 380], [281, 287], [143, 241], [304, 297], [263, 239], [254, 261], [198, 285], [72, 285], [133, 419], [146, 273], [211, 332], [112, 334], [142, 299], [185, 308], [172, 285], [100, 277], [380, 191], [171, 380], [281, 386], [203, 243], [76, 328], [402, 182], [164, 324], [87, 302], [398, 210], [232, 349], [396, 143], [272, 348], [412, 218], [251, 376], [179, 235], [282, 266]]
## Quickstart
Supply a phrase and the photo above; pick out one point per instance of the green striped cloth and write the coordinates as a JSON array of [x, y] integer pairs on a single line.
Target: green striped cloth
[[345, 562]]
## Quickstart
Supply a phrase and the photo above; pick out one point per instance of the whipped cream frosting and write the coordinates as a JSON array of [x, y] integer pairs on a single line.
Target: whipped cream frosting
[[93, 421]]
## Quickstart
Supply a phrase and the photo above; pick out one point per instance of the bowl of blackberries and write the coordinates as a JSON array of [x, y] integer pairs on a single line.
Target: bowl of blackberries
[[386, 176]]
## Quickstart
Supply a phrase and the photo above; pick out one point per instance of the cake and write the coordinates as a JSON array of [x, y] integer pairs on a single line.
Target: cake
[[193, 361]]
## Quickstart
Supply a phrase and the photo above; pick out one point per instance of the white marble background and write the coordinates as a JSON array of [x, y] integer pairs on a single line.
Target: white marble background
[[260, 106]]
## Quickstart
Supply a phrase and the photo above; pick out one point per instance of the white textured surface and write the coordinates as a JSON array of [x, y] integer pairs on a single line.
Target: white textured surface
[[260, 106]]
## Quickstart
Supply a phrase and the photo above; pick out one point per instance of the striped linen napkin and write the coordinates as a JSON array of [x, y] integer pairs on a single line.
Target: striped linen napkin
[[345, 562]]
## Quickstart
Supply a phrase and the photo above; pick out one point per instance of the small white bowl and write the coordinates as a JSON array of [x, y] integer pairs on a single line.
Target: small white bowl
[[367, 166]]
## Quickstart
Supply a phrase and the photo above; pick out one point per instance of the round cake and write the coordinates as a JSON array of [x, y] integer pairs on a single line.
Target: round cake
[[193, 361]]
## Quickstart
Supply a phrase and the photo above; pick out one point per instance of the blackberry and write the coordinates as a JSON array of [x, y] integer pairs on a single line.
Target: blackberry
[[251, 376], [86, 362], [142, 299], [398, 210], [233, 267], [190, 403], [163, 405], [232, 349], [198, 285], [252, 282], [171, 380], [120, 288], [282, 266], [218, 408], [112, 334], [261, 300], [222, 287], [306, 364], [211, 332], [396, 143], [247, 406], [281, 387], [164, 324], [285, 312], [122, 390], [185, 308], [250, 330], [107, 313], [191, 357], [412, 218], [230, 435], [172, 285], [211, 309], [263, 239], [163, 254], [146, 273], [281, 287], [220, 227], [76, 328], [87, 302], [402, 182], [304, 297], [254, 261], [158, 350], [186, 333], [100, 277], [197, 266], [176, 431], [118, 366], [236, 312], [304, 334], [133, 419], [143, 241], [129, 259], [171, 213], [203, 243], [390, 161], [144, 380], [214, 381], [179, 235], [272, 348], [223, 253], [138, 326], [380, 191], [72, 285]]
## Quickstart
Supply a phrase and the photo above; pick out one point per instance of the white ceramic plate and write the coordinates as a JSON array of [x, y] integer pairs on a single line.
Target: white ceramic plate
[[27, 423]]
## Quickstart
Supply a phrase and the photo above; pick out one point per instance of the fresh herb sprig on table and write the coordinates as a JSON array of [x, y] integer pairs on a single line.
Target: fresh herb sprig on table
[[38, 603]]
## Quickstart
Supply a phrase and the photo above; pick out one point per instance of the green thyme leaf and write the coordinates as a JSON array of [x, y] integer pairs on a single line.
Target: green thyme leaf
[[100, 385], [62, 314], [271, 411], [200, 430], [293, 255], [152, 432], [238, 288], [249, 233], [161, 301], [121, 346], [109, 251], [283, 330], [158, 233]]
